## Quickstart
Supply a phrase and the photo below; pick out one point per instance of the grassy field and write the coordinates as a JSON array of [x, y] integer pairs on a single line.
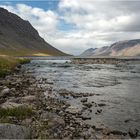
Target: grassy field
[[8, 64]]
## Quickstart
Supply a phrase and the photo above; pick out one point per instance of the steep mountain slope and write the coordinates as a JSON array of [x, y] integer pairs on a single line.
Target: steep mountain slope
[[125, 48], [19, 38], [88, 52], [121, 48]]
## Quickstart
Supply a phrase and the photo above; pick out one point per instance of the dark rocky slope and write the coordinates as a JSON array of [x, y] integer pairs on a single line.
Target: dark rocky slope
[[19, 38]]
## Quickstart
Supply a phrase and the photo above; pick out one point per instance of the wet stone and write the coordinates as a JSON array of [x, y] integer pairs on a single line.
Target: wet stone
[[85, 118], [89, 105], [133, 132], [127, 120], [98, 111], [84, 100], [101, 104], [73, 110], [117, 132]]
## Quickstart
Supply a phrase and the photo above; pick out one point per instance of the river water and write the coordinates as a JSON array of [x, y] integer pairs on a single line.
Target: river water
[[115, 86]]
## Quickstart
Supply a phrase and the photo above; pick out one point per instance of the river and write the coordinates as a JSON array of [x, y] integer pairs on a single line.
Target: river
[[116, 89]]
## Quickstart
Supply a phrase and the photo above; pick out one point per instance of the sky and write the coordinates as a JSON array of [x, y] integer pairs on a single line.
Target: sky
[[76, 25]]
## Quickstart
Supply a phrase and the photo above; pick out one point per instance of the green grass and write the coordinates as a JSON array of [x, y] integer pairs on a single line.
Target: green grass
[[24, 60], [8, 64], [18, 113]]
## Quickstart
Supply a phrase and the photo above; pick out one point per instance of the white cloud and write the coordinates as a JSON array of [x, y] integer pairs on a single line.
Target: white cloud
[[95, 15], [97, 23], [102, 22]]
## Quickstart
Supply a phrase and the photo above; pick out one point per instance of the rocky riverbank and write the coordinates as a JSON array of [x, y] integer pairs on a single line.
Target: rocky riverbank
[[106, 60], [29, 110]]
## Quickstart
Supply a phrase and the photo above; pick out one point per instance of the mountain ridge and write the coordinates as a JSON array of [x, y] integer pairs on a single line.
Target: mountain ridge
[[19, 38], [126, 48], [88, 52]]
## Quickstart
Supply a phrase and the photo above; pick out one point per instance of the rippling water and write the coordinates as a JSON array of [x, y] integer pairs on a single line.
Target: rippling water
[[117, 86]]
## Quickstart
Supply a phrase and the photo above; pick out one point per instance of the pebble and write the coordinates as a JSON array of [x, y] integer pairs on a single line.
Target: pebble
[[89, 105], [101, 104]]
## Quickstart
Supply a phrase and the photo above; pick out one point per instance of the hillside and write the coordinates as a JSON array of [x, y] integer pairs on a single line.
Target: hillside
[[88, 52], [19, 38], [121, 48]]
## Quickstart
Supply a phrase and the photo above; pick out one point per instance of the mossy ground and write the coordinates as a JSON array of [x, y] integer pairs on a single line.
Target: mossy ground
[[8, 64]]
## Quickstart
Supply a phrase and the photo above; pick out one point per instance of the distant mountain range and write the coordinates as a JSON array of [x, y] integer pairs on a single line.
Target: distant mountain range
[[121, 48], [19, 38]]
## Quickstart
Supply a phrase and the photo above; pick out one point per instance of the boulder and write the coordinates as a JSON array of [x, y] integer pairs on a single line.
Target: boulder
[[11, 105], [133, 133], [5, 92], [11, 131], [30, 98]]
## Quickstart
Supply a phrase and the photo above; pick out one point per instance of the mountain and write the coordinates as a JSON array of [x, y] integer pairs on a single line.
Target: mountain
[[121, 48], [19, 38], [88, 52]]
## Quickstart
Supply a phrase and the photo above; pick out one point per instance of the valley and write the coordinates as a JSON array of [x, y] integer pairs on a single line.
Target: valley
[[46, 93]]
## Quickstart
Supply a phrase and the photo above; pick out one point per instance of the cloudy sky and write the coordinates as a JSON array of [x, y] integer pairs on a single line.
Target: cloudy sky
[[76, 25]]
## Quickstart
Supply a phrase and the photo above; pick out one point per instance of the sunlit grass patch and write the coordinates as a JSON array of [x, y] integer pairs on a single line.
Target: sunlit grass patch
[[41, 54]]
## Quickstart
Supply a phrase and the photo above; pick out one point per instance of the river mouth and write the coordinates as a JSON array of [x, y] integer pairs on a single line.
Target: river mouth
[[107, 95]]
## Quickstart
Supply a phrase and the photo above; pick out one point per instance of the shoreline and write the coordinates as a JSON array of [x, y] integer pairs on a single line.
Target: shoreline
[[51, 117], [105, 60]]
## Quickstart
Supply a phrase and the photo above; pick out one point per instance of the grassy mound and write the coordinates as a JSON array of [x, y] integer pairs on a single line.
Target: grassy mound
[[8, 64]]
